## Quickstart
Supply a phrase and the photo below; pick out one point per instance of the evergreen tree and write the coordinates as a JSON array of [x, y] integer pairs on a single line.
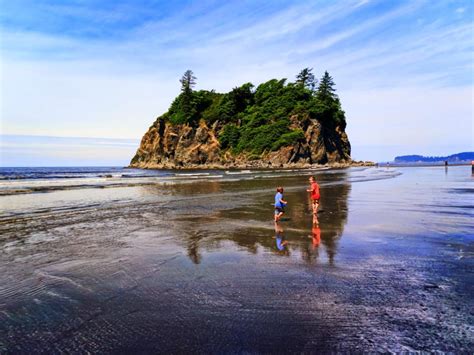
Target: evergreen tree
[[326, 90], [306, 79], [188, 81], [328, 108], [255, 120]]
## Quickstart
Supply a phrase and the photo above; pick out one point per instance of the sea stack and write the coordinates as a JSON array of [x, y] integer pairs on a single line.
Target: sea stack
[[277, 124]]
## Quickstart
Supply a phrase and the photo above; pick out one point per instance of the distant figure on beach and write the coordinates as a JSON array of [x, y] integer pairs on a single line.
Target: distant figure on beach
[[279, 204], [315, 196], [281, 243]]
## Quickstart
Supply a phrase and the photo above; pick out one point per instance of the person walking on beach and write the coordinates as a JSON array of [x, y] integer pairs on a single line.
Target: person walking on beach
[[315, 196], [279, 204]]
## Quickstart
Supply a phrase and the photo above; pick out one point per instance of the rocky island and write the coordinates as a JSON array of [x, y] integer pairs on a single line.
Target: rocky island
[[277, 124]]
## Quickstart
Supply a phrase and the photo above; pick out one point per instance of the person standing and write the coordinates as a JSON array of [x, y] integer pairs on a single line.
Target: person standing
[[315, 196], [279, 204]]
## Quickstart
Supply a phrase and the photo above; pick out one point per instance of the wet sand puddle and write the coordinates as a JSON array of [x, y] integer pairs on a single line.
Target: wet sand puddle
[[202, 267]]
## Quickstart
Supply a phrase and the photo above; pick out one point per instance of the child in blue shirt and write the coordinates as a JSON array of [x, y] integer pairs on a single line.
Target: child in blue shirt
[[279, 204]]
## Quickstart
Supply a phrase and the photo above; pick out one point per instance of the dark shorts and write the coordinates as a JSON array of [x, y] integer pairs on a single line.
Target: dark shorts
[[279, 210]]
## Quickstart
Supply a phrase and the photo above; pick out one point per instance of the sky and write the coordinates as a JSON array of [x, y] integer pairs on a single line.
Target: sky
[[106, 69]]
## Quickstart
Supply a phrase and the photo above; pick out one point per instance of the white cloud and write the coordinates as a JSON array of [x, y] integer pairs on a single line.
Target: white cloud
[[337, 37], [362, 3], [73, 86], [66, 100]]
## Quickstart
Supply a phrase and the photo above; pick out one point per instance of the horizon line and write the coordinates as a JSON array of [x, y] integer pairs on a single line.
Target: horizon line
[[52, 136]]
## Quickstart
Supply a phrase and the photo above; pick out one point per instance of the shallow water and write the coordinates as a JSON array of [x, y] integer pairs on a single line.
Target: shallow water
[[179, 262]]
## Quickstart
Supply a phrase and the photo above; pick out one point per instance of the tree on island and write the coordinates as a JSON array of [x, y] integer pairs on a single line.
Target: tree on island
[[186, 99], [257, 119], [306, 79], [329, 109], [326, 90], [188, 81]]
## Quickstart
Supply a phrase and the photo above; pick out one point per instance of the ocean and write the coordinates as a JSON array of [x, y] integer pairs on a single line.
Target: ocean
[[110, 259]]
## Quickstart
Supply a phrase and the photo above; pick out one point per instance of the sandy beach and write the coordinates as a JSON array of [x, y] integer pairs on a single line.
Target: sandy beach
[[193, 262]]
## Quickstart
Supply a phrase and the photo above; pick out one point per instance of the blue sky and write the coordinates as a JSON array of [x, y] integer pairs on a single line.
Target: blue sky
[[106, 69]]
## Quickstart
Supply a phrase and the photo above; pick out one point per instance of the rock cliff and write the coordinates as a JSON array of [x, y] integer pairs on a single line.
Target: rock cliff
[[168, 146], [277, 124]]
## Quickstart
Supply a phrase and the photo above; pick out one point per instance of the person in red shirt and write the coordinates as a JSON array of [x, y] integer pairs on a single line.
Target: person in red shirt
[[315, 196]]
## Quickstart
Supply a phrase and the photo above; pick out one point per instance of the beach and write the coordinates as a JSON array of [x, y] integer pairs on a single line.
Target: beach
[[128, 260]]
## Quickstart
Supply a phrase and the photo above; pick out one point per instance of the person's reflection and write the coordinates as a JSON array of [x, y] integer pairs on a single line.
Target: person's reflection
[[193, 249], [316, 235], [281, 243], [310, 251]]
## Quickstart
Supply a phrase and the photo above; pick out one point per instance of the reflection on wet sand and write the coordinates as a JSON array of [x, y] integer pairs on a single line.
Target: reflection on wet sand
[[281, 242], [316, 235], [310, 251], [198, 268], [193, 248], [249, 226]]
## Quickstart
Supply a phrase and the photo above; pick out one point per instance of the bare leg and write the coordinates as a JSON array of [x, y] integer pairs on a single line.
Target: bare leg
[[278, 216], [315, 212]]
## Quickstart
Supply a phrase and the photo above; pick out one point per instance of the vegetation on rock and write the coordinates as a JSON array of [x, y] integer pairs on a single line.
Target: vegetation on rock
[[255, 120]]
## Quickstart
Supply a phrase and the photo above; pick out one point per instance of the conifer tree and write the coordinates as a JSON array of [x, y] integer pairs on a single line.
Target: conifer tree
[[326, 90], [329, 106], [188, 81], [306, 79]]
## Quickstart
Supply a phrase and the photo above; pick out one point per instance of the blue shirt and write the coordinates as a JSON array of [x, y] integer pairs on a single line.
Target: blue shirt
[[278, 197]]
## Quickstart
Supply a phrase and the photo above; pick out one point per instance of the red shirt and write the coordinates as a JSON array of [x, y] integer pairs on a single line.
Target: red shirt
[[315, 191]]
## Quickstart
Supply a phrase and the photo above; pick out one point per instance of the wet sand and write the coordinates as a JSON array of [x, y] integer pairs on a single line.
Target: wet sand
[[201, 267]]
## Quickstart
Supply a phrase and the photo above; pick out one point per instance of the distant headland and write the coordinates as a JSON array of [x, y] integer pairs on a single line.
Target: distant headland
[[458, 158], [277, 124]]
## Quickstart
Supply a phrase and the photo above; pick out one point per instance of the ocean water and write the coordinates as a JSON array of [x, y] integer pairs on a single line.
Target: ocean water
[[82, 186], [122, 260]]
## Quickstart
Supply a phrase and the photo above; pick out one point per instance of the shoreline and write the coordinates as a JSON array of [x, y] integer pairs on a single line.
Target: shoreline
[[258, 165], [156, 176]]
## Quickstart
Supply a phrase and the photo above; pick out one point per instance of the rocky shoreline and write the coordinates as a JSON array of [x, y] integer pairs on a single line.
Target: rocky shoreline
[[253, 165], [167, 146]]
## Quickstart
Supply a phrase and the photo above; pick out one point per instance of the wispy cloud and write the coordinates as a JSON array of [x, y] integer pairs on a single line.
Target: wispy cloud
[[360, 27], [108, 69]]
